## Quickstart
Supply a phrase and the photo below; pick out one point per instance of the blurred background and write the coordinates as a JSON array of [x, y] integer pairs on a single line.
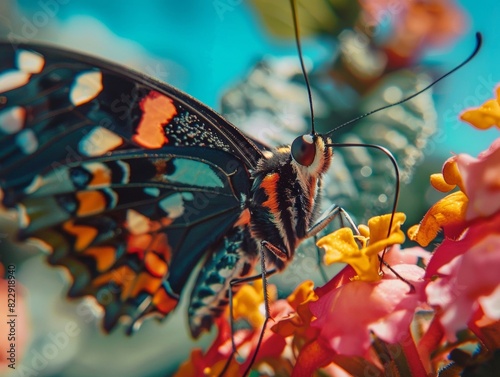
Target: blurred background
[[239, 57]]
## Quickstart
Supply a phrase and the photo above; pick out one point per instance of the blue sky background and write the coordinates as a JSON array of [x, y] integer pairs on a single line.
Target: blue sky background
[[207, 51]]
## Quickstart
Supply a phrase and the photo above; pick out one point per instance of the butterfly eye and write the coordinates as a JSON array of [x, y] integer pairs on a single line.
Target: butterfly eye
[[304, 150]]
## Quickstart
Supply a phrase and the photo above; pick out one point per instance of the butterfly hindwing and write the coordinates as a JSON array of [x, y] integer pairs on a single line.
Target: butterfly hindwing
[[124, 181]]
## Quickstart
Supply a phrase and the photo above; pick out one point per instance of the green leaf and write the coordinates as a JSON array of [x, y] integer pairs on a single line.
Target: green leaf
[[315, 16]]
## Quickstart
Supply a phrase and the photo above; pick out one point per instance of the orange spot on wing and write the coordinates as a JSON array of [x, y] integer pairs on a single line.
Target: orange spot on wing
[[84, 234], [157, 110], [104, 256], [269, 184], [138, 244], [143, 283], [155, 265], [90, 202], [101, 177], [161, 246], [123, 276], [164, 302]]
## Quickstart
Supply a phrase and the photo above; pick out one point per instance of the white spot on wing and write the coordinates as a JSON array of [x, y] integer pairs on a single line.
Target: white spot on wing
[[29, 61], [12, 120], [174, 204], [137, 223], [194, 173], [99, 141], [86, 87], [13, 79], [27, 141]]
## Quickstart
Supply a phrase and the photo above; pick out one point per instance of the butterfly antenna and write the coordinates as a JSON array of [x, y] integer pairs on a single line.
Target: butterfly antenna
[[479, 41], [295, 18]]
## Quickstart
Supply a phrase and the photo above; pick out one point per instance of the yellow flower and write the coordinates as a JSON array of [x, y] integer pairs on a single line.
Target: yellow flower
[[485, 116], [342, 245], [450, 210], [247, 303]]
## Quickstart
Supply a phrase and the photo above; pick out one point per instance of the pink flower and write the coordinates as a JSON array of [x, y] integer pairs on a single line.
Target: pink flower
[[347, 315], [469, 277], [355, 305], [481, 177]]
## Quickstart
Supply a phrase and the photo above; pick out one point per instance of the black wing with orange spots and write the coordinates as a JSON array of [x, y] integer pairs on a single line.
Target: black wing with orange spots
[[123, 180]]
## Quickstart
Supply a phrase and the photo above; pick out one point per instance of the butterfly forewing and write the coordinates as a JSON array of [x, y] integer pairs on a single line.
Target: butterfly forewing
[[125, 181]]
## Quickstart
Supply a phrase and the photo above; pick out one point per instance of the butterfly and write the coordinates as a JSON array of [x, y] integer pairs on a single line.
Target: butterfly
[[128, 183]]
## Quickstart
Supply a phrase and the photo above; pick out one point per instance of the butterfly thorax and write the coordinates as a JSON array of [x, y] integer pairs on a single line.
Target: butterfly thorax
[[285, 199]]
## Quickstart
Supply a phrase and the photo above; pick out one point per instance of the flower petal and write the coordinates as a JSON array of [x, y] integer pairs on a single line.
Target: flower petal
[[347, 315], [247, 303], [338, 244], [379, 232], [312, 357], [485, 116], [440, 184], [465, 281], [341, 245], [491, 304], [481, 178], [448, 211], [297, 322], [452, 173]]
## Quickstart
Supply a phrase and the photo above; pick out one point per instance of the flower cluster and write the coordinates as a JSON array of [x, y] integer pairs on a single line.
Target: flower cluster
[[408, 316]]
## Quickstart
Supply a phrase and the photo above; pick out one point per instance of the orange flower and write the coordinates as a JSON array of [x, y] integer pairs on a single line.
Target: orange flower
[[479, 195], [297, 323], [448, 211]]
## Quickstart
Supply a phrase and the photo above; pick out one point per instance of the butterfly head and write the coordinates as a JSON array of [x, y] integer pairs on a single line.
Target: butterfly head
[[312, 153]]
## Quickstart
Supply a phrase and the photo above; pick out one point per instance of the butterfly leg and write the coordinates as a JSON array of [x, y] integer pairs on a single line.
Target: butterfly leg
[[322, 271], [326, 218], [235, 282]]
